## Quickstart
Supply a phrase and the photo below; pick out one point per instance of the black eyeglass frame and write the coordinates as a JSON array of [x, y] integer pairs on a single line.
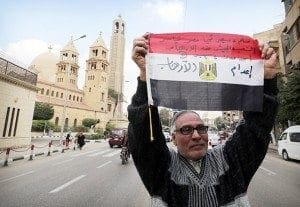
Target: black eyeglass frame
[[201, 129]]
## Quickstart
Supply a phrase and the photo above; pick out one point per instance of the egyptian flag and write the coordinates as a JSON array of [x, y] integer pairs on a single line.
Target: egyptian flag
[[204, 71]]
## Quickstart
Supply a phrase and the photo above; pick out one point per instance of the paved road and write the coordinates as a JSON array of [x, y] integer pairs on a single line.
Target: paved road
[[94, 176]]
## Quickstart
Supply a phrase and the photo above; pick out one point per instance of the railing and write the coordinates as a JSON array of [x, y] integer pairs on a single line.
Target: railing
[[17, 72]]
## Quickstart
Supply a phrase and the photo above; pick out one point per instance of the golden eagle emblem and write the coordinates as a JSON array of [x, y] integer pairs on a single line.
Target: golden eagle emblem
[[208, 70]]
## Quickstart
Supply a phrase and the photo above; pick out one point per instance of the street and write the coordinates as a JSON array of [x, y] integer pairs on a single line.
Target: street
[[94, 176]]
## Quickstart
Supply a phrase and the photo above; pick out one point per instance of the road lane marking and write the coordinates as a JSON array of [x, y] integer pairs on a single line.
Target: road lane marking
[[112, 153], [104, 164], [98, 153], [67, 184], [269, 171], [16, 176], [58, 163], [84, 153]]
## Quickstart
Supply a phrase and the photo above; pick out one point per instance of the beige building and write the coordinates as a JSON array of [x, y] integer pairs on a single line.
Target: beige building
[[18, 92], [291, 35]]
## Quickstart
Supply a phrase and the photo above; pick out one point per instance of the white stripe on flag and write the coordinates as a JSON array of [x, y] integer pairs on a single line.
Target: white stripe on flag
[[204, 69]]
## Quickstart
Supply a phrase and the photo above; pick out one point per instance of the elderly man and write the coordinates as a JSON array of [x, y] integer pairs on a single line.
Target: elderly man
[[194, 175]]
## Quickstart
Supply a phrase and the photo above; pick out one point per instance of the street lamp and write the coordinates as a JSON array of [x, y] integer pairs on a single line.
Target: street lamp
[[66, 96]]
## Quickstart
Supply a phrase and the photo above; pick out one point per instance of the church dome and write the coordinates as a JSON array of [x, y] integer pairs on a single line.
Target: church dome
[[45, 66]]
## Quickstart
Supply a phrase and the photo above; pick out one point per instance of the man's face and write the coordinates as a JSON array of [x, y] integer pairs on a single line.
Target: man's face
[[192, 146]]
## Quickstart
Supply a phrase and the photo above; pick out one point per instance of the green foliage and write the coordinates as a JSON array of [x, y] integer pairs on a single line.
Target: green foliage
[[94, 136], [289, 99], [220, 123], [165, 116], [43, 111], [109, 126], [80, 129], [40, 125], [89, 122]]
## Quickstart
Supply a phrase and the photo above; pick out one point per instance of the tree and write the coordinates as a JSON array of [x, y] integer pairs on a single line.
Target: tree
[[289, 99], [118, 97], [220, 123], [89, 122], [165, 116], [43, 111], [109, 126]]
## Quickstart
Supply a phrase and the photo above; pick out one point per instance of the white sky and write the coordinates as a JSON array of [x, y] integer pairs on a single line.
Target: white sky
[[28, 27]]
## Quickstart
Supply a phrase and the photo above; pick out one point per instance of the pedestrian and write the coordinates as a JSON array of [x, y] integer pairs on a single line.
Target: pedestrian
[[80, 140], [192, 175], [68, 139]]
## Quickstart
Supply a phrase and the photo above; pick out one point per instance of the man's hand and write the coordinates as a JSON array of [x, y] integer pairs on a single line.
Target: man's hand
[[270, 60], [139, 51]]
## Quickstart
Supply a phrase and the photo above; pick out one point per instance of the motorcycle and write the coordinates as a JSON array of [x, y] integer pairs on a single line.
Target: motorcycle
[[124, 155]]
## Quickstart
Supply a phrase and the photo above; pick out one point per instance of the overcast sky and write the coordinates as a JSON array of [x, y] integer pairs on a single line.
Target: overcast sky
[[28, 27]]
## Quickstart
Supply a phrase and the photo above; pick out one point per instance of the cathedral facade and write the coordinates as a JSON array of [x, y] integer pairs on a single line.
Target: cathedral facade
[[58, 77]]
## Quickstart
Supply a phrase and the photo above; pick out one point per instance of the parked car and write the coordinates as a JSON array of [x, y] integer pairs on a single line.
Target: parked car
[[116, 137], [289, 143], [213, 139], [167, 136]]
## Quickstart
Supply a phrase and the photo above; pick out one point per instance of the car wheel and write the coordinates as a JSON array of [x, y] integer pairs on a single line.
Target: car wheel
[[285, 155], [111, 146]]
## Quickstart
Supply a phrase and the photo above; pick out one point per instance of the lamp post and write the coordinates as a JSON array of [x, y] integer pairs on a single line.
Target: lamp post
[[66, 96]]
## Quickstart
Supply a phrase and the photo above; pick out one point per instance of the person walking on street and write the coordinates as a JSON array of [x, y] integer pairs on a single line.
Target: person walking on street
[[80, 140], [194, 175]]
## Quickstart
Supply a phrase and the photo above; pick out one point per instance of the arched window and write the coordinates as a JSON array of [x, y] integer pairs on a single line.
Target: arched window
[[66, 122], [70, 97], [75, 123], [56, 121], [77, 98], [47, 92], [42, 91], [57, 94], [73, 98], [61, 95]]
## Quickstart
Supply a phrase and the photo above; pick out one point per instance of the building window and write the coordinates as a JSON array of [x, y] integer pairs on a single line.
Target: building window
[[57, 94], [11, 121], [75, 123], [66, 122], [95, 52], [109, 107], [70, 97], [287, 5], [81, 99], [93, 65], [56, 121], [103, 54], [47, 93], [42, 91], [77, 98], [61, 95], [52, 93], [73, 98], [102, 96], [90, 89], [16, 122], [6, 121]]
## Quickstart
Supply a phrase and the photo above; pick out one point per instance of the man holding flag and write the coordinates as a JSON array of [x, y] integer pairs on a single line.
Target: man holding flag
[[194, 175]]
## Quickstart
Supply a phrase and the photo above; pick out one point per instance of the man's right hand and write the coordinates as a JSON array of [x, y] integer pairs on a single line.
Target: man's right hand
[[139, 51]]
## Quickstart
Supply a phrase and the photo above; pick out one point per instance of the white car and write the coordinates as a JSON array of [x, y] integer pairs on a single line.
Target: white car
[[167, 136], [289, 143], [214, 139]]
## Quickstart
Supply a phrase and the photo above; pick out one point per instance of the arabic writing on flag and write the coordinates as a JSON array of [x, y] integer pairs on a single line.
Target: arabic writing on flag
[[204, 71]]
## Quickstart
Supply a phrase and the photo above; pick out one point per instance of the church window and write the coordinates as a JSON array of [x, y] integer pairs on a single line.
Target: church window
[[56, 94], [117, 27], [75, 123], [61, 95], [90, 89], [66, 122], [103, 54], [77, 98], [93, 65], [52, 93], [56, 121], [73, 98], [42, 91], [47, 93], [70, 97], [95, 52]]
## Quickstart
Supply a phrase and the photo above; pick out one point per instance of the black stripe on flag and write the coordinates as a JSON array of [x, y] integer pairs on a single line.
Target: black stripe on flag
[[206, 96]]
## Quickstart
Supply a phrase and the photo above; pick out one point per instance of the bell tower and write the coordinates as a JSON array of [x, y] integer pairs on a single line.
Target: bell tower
[[96, 76], [116, 60], [67, 67]]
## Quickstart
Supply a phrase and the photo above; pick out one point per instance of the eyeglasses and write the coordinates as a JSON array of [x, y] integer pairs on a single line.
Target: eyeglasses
[[188, 130]]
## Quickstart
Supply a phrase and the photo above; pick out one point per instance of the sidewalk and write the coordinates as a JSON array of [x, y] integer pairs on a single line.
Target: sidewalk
[[40, 148], [273, 148]]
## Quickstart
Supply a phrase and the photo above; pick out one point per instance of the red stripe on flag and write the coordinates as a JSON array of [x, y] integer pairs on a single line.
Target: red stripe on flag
[[205, 44]]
